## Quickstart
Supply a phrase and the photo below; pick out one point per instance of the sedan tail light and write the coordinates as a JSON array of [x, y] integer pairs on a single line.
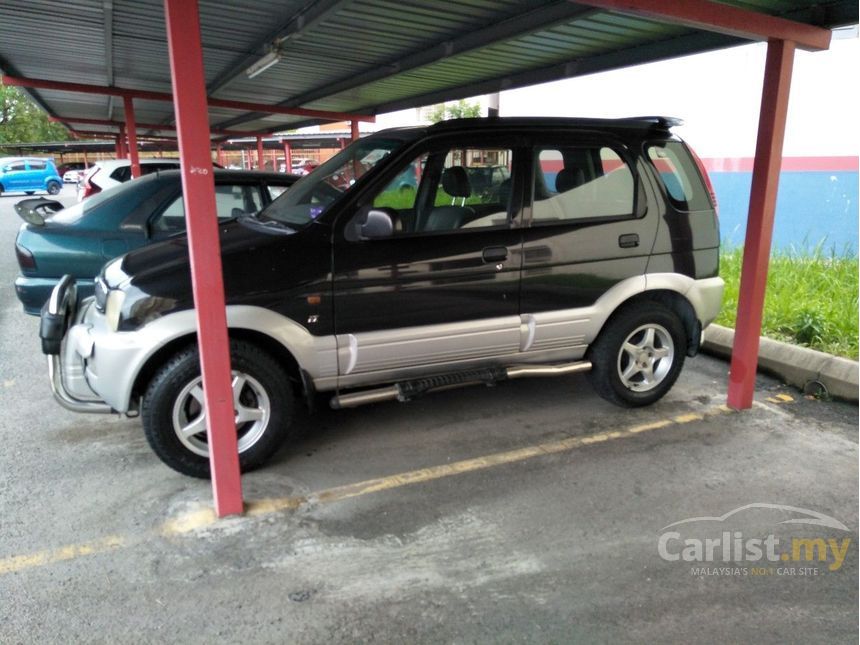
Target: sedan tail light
[[89, 188], [25, 259]]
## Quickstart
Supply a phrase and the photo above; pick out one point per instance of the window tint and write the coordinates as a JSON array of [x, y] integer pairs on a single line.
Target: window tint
[[573, 183], [450, 189], [123, 173], [38, 165], [677, 171]]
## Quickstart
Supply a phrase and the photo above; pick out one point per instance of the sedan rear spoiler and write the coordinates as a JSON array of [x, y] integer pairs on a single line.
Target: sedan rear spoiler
[[35, 210]]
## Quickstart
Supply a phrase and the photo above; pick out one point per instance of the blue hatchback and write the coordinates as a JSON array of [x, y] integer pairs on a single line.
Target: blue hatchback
[[26, 175]]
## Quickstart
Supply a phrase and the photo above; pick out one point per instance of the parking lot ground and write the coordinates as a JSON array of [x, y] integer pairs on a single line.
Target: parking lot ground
[[528, 512]]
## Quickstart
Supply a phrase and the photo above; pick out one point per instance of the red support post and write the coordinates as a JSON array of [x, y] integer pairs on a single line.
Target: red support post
[[131, 129], [765, 181], [353, 130], [220, 155], [288, 157], [123, 149], [261, 164], [204, 247], [116, 147]]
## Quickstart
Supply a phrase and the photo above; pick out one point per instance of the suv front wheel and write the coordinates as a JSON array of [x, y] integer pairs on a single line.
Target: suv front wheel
[[638, 355], [174, 419]]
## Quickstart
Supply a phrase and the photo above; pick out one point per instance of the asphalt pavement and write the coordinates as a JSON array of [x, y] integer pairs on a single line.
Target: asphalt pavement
[[530, 512]]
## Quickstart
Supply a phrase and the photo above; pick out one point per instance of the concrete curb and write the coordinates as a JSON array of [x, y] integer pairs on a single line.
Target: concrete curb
[[798, 366]]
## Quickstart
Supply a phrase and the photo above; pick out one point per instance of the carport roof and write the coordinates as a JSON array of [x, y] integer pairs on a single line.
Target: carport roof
[[359, 56]]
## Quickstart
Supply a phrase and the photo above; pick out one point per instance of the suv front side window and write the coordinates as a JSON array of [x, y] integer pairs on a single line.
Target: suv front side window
[[449, 189]]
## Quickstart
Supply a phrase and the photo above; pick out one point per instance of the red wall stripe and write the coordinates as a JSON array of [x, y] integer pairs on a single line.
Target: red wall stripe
[[789, 164]]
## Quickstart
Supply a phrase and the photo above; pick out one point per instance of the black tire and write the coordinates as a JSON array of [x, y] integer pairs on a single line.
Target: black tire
[[615, 373], [168, 398], [53, 188], [29, 192]]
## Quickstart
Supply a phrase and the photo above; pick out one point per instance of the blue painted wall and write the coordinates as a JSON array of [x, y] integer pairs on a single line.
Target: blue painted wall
[[811, 206]]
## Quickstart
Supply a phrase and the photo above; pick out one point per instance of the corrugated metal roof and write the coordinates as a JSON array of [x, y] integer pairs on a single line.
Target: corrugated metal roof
[[357, 56]]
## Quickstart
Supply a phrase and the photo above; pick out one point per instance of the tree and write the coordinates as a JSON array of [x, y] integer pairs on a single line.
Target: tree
[[459, 110], [21, 121]]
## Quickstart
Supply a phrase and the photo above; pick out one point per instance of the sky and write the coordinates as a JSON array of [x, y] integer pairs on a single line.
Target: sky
[[717, 94]]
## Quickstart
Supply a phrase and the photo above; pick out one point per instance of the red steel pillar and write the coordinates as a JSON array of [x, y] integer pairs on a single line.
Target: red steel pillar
[[131, 129], [261, 164], [204, 248], [353, 130], [765, 181], [116, 147], [123, 147], [288, 157], [220, 157]]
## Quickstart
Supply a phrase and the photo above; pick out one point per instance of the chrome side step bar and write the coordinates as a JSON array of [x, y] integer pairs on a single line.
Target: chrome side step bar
[[62, 395], [410, 389]]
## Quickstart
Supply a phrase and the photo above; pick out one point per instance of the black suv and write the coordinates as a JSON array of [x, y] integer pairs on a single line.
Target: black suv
[[596, 250]]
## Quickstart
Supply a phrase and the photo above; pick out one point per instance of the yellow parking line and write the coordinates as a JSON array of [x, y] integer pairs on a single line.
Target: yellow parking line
[[188, 522], [185, 524], [69, 552]]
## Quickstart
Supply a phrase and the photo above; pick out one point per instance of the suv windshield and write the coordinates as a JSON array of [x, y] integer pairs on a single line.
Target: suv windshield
[[311, 196]]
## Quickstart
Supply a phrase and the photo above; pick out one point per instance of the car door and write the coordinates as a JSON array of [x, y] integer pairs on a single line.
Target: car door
[[441, 291], [16, 176], [588, 229]]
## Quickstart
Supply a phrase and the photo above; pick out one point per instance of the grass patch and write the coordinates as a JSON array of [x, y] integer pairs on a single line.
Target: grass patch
[[811, 298]]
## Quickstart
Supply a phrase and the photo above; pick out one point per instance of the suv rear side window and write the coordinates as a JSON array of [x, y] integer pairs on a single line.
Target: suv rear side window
[[38, 165], [677, 170], [581, 182]]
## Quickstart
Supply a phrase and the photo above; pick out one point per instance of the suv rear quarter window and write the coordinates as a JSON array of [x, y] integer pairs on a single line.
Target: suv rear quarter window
[[678, 173]]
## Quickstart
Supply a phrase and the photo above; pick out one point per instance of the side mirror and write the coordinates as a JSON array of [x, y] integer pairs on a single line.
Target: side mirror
[[378, 224], [370, 224]]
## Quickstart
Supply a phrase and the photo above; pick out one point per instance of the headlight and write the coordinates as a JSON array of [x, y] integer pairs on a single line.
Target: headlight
[[115, 298]]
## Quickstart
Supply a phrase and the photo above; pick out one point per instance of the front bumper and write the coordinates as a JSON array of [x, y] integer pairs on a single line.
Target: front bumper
[[91, 367]]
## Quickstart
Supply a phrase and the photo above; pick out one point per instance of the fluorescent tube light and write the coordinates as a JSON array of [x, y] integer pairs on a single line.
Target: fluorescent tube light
[[272, 58]]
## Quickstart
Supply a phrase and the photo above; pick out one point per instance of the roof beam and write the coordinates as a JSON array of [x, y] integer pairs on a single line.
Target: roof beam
[[720, 18], [107, 19], [307, 17], [85, 88], [140, 126], [646, 53], [529, 21]]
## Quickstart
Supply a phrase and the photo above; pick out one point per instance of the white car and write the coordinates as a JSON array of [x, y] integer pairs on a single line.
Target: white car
[[72, 176], [112, 172]]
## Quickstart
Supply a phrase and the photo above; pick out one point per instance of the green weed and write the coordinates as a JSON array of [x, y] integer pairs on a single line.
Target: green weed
[[811, 297]]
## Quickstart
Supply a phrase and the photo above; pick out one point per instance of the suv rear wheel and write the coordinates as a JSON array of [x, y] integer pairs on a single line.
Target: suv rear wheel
[[174, 419], [638, 355], [53, 188]]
